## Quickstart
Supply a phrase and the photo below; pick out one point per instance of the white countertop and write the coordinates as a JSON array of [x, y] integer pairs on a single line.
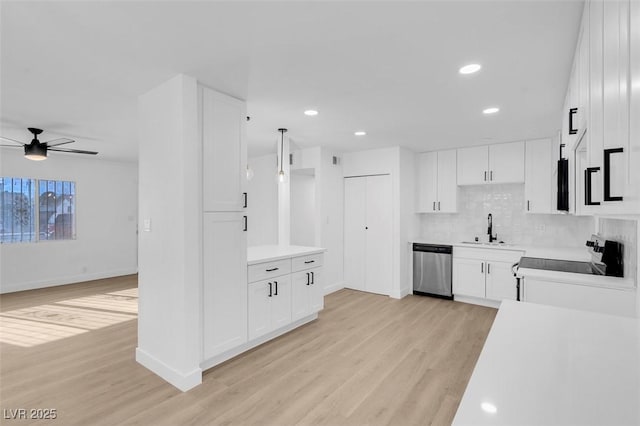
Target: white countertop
[[268, 253], [564, 253], [579, 279], [543, 365]]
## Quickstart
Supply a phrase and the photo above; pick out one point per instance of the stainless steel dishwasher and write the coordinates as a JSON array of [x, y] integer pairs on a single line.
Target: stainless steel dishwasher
[[432, 270]]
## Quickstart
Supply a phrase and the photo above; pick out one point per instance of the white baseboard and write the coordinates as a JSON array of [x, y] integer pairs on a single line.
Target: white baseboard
[[333, 287], [400, 294], [477, 301], [71, 279], [211, 362], [182, 381]]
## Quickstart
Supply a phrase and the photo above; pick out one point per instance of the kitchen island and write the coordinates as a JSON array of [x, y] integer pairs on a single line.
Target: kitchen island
[[544, 365]]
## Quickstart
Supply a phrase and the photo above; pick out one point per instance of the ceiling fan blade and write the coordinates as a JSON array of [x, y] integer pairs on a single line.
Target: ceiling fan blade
[[59, 141], [12, 146], [11, 140], [73, 151]]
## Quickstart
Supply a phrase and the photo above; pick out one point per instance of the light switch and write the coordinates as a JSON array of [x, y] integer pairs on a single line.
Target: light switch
[[146, 225]]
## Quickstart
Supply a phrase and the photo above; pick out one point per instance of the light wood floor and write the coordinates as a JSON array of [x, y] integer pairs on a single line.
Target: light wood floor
[[368, 359]]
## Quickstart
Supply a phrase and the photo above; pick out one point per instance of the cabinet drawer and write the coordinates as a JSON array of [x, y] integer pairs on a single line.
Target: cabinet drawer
[[266, 270], [306, 262]]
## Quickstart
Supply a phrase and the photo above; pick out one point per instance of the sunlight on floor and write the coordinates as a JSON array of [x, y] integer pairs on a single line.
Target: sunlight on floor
[[35, 325]]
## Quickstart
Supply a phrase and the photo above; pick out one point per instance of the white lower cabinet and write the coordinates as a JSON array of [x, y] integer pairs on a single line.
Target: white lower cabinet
[[578, 296], [224, 296], [284, 291], [306, 292], [269, 305], [484, 273]]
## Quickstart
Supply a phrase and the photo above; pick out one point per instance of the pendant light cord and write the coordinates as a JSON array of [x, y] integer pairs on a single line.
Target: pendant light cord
[[282, 149]]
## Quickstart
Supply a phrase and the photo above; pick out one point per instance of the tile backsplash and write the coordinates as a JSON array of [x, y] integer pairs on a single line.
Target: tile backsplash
[[625, 232], [510, 222]]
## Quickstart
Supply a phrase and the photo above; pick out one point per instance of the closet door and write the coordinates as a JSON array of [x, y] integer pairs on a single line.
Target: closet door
[[354, 232], [378, 234]]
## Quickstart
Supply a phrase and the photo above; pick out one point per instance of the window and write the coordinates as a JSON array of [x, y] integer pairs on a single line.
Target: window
[[26, 217]]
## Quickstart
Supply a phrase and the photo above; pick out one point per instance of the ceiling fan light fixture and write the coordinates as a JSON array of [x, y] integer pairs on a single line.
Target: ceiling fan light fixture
[[35, 152]]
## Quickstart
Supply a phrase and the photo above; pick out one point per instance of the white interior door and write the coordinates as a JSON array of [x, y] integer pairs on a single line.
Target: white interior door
[[378, 234], [354, 232]]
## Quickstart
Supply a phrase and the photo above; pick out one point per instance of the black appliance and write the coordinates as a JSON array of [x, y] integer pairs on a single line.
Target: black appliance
[[563, 182], [606, 259]]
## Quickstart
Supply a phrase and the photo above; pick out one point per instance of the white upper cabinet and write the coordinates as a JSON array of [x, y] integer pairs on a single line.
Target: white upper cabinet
[[538, 183], [499, 163], [437, 188], [224, 151], [506, 163], [473, 164], [606, 82]]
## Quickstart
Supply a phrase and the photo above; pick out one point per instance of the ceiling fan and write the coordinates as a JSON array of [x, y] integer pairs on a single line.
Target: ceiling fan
[[37, 150]]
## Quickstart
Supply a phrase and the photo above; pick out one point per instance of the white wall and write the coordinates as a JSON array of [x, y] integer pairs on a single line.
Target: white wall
[[262, 205], [329, 177], [106, 217], [170, 259], [303, 208]]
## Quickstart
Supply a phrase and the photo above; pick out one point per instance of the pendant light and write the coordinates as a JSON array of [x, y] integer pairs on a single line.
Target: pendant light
[[281, 175]]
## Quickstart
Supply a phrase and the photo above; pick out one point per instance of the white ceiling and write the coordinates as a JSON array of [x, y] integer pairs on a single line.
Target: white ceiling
[[390, 68]]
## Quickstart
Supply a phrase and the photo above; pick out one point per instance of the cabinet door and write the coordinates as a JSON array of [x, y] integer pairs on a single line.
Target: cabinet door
[[223, 151], [583, 75], [506, 162], [281, 302], [354, 232], [596, 55], [378, 231], [316, 291], [427, 182], [224, 294], [447, 181], [632, 197], [473, 165], [501, 284], [537, 183], [468, 277], [260, 295], [300, 294]]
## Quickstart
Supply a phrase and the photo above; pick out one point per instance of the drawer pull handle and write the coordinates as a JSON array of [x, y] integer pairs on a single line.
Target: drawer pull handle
[[313, 278], [272, 269], [309, 261], [308, 276], [270, 290]]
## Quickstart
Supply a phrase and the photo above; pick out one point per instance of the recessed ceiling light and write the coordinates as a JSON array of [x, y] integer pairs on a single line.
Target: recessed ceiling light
[[470, 69], [311, 112], [491, 110], [360, 133], [489, 408]]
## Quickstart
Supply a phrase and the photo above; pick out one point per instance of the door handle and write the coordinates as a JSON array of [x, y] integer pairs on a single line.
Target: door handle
[[245, 223], [482, 267], [308, 281], [270, 290], [313, 278], [587, 186], [434, 206], [488, 269], [438, 205], [485, 176], [491, 175], [527, 205], [245, 200], [276, 292], [572, 112]]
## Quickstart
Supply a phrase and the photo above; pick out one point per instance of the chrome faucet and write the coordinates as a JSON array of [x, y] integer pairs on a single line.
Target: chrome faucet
[[492, 237]]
